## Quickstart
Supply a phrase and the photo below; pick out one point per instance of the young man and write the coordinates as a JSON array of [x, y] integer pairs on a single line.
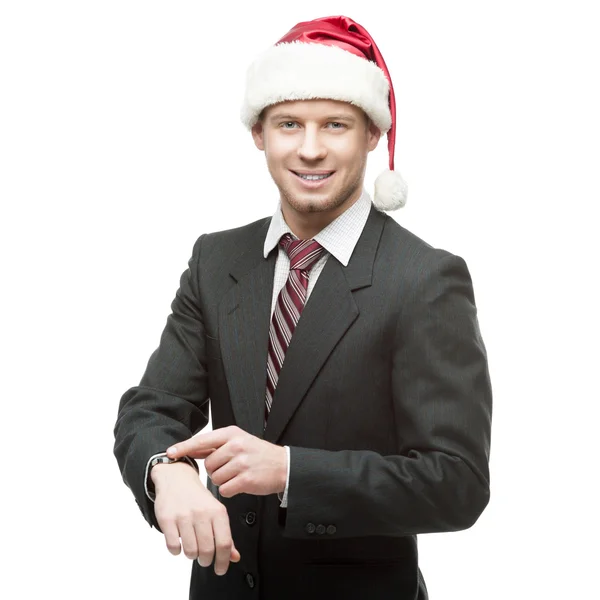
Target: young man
[[323, 467]]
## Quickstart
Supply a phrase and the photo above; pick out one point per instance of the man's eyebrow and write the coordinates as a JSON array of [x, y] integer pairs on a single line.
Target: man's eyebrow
[[288, 117], [348, 118], [281, 116]]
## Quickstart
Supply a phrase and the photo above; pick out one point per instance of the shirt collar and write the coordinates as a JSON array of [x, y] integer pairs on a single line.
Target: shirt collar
[[338, 238]]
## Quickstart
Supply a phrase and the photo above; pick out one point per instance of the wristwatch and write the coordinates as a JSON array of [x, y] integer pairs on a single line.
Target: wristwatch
[[164, 459]]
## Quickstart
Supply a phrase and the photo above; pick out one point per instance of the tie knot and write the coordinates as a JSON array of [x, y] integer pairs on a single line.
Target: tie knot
[[303, 253]]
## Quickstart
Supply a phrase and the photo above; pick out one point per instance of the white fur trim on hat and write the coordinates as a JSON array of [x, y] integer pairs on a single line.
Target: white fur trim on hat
[[308, 71], [390, 191]]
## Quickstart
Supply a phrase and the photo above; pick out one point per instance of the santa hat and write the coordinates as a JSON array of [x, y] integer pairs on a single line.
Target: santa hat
[[331, 58]]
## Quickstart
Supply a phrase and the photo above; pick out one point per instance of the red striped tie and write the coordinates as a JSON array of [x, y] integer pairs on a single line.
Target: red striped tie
[[290, 302]]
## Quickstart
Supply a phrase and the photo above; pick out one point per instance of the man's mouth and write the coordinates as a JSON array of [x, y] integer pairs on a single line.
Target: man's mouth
[[313, 176]]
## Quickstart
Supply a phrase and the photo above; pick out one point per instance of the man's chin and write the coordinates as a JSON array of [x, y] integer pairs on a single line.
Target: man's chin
[[311, 203]]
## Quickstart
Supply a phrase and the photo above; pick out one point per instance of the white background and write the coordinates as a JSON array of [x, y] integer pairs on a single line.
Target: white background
[[120, 144]]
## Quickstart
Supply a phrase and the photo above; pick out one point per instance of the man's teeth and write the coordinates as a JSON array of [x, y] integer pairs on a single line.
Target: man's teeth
[[313, 177]]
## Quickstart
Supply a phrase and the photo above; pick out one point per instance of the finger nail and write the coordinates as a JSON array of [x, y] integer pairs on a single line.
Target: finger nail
[[172, 450]]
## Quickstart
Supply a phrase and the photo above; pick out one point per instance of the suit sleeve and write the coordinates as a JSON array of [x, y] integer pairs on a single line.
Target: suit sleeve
[[171, 402], [442, 401]]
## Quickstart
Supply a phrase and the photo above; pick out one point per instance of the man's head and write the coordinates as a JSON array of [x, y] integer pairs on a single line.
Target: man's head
[[305, 139], [320, 66]]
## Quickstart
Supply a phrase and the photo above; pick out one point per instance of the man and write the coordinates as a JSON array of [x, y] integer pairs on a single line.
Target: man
[[340, 354]]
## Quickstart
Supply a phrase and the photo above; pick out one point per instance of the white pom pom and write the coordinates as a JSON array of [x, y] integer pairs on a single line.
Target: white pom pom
[[390, 191]]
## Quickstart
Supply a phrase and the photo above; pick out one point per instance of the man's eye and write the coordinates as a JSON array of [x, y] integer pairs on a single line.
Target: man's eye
[[288, 125], [336, 125]]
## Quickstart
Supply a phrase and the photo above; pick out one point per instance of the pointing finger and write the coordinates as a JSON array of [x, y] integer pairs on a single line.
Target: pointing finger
[[200, 446]]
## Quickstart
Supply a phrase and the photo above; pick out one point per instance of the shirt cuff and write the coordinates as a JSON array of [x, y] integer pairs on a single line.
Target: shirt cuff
[[148, 485], [284, 498]]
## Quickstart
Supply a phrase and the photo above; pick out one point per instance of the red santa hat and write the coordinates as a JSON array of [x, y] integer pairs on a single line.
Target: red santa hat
[[331, 58]]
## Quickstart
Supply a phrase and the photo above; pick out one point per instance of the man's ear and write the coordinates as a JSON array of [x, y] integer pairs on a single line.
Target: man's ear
[[258, 135], [373, 135]]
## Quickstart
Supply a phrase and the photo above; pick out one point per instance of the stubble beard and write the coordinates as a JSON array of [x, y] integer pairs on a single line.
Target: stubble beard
[[329, 204]]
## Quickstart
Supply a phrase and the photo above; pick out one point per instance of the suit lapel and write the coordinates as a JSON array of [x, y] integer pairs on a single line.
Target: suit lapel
[[329, 312], [244, 319]]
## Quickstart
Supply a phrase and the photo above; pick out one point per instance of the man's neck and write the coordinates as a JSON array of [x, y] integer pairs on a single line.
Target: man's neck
[[306, 225]]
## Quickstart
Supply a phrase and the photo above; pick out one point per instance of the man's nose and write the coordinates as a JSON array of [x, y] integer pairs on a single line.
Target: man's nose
[[312, 147]]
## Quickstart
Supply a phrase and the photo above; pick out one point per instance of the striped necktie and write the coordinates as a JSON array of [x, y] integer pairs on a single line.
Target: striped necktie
[[288, 308]]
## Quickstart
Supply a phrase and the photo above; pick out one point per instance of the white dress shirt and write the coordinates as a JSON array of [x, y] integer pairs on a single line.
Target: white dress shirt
[[339, 239]]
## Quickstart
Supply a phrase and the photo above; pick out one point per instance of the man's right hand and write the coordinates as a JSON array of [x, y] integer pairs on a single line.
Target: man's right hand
[[186, 509]]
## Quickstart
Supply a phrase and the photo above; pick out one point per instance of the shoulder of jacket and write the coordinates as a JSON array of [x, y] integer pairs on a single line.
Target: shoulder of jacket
[[241, 237], [409, 245]]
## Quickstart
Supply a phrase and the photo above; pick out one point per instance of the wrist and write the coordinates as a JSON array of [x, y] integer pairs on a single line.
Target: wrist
[[162, 471]]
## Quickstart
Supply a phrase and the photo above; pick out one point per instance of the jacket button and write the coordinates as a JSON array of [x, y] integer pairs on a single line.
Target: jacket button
[[331, 529], [310, 528], [250, 518], [250, 580], [321, 529]]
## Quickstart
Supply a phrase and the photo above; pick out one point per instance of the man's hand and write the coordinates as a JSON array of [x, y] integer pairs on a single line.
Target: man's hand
[[237, 462], [185, 509]]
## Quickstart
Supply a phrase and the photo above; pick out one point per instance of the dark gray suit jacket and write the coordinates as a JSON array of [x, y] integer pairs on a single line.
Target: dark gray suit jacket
[[384, 399]]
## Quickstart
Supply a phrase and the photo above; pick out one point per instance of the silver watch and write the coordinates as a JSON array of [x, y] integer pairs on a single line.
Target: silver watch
[[163, 459]]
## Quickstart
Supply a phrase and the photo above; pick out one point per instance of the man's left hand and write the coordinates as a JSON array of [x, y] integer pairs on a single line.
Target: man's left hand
[[239, 463]]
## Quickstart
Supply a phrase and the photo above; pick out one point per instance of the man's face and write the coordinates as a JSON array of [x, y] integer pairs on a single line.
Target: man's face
[[306, 139]]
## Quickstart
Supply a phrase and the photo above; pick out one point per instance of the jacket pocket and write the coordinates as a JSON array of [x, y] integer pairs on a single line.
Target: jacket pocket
[[357, 563]]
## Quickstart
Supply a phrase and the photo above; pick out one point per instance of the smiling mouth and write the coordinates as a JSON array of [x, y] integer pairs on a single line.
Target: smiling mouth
[[316, 177]]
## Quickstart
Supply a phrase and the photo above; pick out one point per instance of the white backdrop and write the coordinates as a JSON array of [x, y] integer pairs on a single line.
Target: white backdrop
[[120, 144]]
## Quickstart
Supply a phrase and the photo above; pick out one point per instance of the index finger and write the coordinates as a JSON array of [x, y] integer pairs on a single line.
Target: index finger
[[224, 546], [203, 443]]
